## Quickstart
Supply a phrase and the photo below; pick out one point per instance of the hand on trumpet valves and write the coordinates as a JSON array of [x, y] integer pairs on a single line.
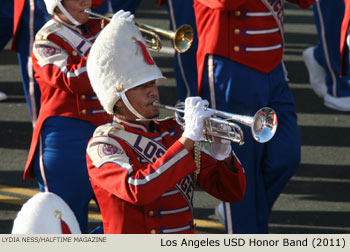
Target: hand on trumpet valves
[[123, 15], [195, 114], [220, 147]]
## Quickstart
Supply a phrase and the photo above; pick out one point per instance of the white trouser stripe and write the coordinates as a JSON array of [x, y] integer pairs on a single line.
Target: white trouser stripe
[[325, 49], [211, 81], [228, 217], [29, 64], [179, 59], [41, 164]]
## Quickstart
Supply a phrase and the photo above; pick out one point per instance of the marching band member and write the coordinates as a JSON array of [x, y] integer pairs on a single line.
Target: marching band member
[[21, 20], [328, 61], [70, 110], [240, 69], [142, 170], [26, 17], [185, 64]]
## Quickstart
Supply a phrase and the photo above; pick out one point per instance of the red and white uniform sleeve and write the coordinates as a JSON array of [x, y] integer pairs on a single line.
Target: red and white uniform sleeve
[[115, 167], [216, 179], [60, 69], [149, 176], [119, 172]]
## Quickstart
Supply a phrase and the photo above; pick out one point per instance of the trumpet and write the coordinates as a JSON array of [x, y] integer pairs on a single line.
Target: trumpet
[[263, 124], [182, 38]]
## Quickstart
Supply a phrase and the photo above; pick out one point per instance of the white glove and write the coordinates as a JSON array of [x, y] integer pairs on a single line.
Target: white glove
[[221, 148], [195, 114], [123, 15]]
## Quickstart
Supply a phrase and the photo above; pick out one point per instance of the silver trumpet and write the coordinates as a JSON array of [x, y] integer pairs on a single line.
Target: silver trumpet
[[263, 124]]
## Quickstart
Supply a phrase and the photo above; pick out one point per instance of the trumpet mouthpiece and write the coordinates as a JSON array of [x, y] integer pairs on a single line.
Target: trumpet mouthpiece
[[96, 14], [156, 103]]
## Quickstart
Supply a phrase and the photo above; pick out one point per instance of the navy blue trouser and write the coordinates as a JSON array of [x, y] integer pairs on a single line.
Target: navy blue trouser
[[328, 19], [240, 90], [64, 170]]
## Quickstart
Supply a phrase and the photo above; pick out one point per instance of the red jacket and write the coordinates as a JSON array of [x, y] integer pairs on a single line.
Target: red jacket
[[143, 180], [18, 9], [59, 61], [245, 31]]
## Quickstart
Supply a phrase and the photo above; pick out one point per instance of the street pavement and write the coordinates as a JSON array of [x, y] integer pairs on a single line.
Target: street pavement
[[316, 200]]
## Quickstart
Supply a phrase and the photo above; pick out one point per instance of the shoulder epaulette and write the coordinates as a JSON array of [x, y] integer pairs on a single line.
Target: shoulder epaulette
[[49, 28], [106, 129]]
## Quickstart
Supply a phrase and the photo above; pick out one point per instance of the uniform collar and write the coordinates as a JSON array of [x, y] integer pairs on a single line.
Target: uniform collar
[[73, 27], [135, 125]]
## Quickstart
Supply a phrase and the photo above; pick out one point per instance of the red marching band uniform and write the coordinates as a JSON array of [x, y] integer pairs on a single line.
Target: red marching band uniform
[[28, 17], [262, 54], [240, 70], [68, 91], [143, 187]]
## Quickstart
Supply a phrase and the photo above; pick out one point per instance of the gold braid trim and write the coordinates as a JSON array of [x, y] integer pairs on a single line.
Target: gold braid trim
[[197, 160]]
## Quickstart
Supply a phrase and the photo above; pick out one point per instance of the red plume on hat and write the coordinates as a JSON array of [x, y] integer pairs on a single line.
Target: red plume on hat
[[64, 227], [148, 59]]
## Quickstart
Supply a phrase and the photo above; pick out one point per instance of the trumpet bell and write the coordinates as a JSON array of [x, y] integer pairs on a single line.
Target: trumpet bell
[[264, 125], [183, 38]]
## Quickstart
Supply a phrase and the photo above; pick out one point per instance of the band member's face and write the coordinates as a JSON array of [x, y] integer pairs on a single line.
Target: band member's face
[[76, 9], [142, 98]]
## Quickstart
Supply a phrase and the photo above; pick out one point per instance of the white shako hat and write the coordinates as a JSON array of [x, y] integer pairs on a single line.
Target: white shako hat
[[52, 4], [119, 61], [45, 213]]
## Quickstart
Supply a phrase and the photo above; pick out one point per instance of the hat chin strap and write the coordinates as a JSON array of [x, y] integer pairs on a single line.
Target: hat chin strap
[[131, 108], [66, 13]]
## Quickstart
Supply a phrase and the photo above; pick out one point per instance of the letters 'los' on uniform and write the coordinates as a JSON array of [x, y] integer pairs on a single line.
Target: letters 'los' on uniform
[[144, 180]]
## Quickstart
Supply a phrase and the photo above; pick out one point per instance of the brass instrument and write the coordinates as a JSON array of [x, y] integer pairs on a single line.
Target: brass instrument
[[263, 124], [182, 38]]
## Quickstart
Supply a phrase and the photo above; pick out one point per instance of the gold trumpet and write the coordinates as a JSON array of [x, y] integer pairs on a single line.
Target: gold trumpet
[[263, 124], [182, 38]]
